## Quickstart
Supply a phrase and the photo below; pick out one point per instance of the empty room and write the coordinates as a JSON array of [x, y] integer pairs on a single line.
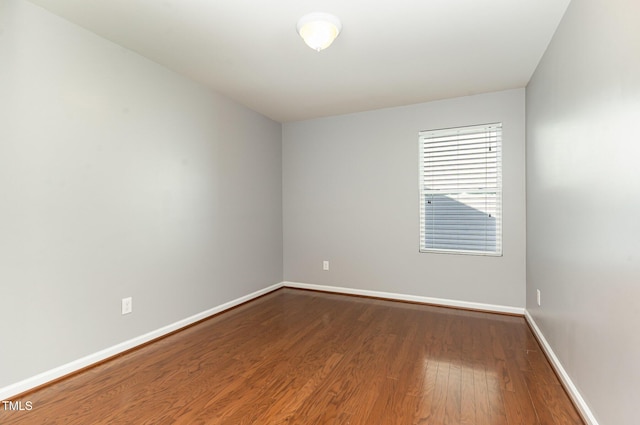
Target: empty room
[[319, 212]]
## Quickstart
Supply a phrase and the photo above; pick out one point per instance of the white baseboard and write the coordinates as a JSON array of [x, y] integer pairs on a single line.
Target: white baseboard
[[413, 298], [572, 390], [66, 369]]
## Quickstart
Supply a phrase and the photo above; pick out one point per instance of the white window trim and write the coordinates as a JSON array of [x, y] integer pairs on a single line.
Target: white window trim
[[424, 191]]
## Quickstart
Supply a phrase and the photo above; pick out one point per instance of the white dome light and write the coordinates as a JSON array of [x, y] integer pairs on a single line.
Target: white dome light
[[319, 30]]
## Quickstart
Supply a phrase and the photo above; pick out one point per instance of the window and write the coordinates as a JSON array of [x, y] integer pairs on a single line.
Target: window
[[461, 190]]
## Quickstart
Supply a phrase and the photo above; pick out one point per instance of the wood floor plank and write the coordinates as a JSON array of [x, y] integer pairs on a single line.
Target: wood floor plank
[[439, 402], [481, 395], [518, 405], [302, 357], [467, 395], [424, 397]]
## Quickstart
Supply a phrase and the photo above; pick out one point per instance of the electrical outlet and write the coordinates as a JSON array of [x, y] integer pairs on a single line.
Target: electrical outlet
[[127, 305], [325, 265], [538, 295]]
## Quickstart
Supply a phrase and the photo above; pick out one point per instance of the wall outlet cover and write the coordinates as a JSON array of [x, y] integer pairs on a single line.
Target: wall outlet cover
[[127, 305]]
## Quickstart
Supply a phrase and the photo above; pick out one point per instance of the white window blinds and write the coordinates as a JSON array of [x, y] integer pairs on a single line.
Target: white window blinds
[[461, 190]]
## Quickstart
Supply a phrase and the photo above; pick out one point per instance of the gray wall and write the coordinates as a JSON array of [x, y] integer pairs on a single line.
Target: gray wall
[[120, 178], [583, 205], [350, 188]]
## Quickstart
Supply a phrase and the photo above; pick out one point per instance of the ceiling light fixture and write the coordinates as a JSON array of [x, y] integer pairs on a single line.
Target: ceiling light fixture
[[319, 30]]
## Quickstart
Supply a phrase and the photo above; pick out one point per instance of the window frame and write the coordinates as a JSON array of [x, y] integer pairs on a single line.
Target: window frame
[[490, 189]]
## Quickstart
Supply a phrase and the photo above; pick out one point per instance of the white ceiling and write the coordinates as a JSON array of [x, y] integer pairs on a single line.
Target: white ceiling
[[389, 53]]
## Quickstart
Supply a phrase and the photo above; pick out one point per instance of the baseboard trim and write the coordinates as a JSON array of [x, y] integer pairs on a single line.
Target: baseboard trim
[[100, 356], [569, 386], [411, 298]]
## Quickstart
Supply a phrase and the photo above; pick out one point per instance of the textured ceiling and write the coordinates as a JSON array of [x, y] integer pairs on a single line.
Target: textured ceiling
[[389, 53]]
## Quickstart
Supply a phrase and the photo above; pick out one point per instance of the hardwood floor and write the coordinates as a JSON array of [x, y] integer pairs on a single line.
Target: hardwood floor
[[300, 357]]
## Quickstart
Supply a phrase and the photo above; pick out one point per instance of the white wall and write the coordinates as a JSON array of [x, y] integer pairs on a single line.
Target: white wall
[[350, 188], [120, 178], [583, 205]]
